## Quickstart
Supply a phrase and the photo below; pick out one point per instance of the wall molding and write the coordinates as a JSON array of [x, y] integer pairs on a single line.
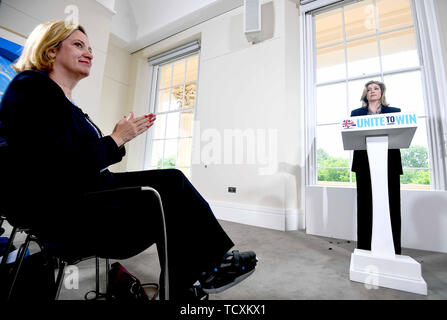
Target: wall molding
[[258, 216]]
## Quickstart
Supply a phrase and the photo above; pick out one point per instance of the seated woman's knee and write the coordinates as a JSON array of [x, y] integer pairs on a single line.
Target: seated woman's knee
[[175, 173]]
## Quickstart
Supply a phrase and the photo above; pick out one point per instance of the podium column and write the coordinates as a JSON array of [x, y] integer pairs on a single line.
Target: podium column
[[382, 243]]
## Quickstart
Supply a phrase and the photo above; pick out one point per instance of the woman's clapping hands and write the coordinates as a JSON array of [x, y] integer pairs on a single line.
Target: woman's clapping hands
[[130, 127]]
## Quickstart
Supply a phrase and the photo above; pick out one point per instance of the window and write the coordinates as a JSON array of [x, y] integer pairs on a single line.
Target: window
[[175, 93], [353, 43]]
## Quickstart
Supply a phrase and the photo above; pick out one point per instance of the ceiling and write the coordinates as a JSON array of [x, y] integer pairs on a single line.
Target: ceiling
[[139, 23]]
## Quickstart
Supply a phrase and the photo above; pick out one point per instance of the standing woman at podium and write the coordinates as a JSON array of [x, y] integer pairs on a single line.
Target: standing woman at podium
[[374, 102]]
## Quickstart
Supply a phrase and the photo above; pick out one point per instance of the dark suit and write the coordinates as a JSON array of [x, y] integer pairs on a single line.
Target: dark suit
[[360, 165], [58, 156]]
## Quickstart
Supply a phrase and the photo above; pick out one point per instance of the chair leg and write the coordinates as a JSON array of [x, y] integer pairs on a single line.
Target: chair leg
[[107, 277], [18, 264], [60, 276], [97, 276], [165, 242]]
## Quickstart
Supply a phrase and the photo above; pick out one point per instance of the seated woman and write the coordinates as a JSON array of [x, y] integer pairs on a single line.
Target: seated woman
[[59, 155]]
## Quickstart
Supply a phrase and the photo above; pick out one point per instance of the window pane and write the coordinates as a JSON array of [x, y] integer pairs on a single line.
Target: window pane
[[186, 123], [329, 28], [184, 152], [165, 76], [329, 140], [405, 91], [157, 153], [331, 103], [355, 92], [360, 19], [177, 97], [159, 127], [399, 50], [363, 57], [417, 177], [335, 175], [163, 101], [172, 129], [331, 64], [192, 67], [394, 14], [420, 138], [190, 95], [170, 155], [330, 153], [179, 73], [416, 156]]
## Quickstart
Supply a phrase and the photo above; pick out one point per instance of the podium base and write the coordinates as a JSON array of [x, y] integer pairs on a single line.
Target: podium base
[[399, 272]]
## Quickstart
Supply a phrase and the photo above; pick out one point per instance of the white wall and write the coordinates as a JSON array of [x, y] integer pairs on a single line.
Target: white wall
[[333, 213], [441, 11], [242, 87], [153, 15], [114, 103], [21, 16]]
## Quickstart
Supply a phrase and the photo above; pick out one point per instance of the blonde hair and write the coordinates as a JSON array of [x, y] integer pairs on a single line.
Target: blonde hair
[[365, 92], [44, 37]]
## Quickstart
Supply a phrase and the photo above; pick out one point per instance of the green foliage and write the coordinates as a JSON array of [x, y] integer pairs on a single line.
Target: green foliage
[[413, 157], [415, 177], [167, 163], [336, 174]]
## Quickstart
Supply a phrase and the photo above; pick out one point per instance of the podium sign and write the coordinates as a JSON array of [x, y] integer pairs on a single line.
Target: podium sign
[[399, 127], [381, 266]]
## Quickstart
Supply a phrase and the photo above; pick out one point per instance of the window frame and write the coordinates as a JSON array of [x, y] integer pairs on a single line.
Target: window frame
[[435, 129], [165, 58]]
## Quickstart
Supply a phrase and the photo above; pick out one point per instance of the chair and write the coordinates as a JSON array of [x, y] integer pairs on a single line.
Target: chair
[[67, 258]]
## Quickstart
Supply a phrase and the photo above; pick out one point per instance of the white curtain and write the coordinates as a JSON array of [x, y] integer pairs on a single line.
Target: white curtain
[[436, 87]]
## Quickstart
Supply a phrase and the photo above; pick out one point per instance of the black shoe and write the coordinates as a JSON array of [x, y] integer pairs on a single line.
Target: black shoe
[[235, 267]]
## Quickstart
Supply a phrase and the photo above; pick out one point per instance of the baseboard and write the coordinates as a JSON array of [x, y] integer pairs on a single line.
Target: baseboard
[[258, 216]]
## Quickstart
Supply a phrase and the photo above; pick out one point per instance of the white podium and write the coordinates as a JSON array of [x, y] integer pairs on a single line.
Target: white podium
[[381, 266]]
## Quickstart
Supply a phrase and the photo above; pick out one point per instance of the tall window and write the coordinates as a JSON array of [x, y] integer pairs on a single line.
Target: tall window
[[354, 43], [170, 142]]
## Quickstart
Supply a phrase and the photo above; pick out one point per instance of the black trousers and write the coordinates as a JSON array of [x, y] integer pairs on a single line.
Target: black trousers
[[365, 209], [119, 227]]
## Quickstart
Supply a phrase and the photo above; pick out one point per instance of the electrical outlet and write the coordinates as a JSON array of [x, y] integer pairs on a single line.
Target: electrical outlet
[[232, 189]]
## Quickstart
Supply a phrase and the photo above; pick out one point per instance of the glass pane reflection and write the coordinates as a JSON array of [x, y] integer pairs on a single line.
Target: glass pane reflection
[[329, 27], [360, 19], [331, 64], [399, 50], [363, 57], [331, 103]]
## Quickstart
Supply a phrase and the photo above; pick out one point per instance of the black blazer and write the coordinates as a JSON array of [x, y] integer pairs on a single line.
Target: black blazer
[[52, 147], [360, 160]]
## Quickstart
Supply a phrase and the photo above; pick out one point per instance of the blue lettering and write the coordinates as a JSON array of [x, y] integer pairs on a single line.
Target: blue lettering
[[382, 121], [413, 118], [360, 123], [377, 121], [400, 119], [367, 122]]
